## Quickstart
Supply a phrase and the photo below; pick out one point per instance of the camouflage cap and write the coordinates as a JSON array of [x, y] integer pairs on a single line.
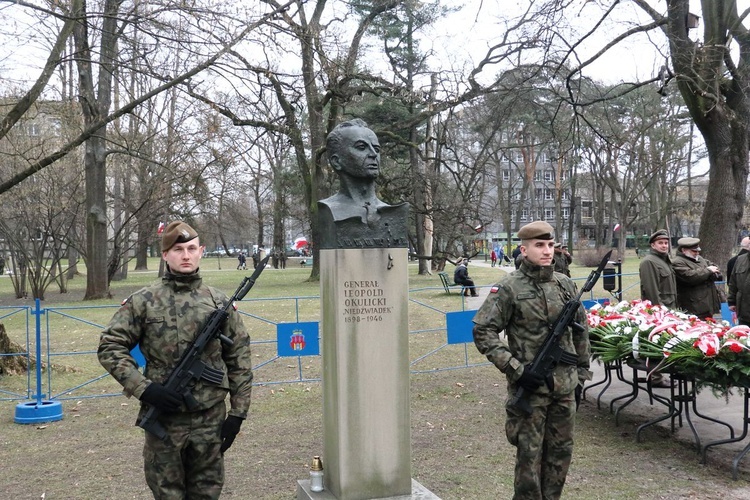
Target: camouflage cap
[[688, 242], [558, 245], [537, 230], [658, 235], [176, 232]]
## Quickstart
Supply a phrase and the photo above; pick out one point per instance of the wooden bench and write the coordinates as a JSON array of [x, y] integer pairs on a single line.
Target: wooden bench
[[447, 283]]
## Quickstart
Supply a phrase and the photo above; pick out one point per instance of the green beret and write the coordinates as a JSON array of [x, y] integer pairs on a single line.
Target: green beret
[[658, 235], [176, 232], [688, 242], [537, 230]]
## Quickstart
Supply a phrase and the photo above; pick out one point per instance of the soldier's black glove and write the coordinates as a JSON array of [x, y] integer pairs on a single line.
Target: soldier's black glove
[[161, 398], [530, 380], [578, 395], [229, 431]]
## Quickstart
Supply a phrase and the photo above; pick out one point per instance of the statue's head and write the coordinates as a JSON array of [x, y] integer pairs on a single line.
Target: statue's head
[[354, 150]]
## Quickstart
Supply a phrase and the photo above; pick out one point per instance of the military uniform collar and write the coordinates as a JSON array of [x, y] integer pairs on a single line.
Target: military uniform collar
[[179, 281], [535, 272]]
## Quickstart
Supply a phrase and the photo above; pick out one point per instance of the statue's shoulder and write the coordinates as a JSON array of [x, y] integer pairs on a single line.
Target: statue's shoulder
[[340, 207]]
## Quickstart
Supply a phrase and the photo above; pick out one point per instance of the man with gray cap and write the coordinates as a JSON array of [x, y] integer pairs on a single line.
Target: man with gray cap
[[523, 305], [696, 277], [163, 319], [658, 283]]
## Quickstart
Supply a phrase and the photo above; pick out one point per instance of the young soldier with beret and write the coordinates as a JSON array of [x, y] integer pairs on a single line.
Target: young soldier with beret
[[523, 305], [163, 319]]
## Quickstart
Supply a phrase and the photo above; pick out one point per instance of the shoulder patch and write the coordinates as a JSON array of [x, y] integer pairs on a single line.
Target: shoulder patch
[[127, 299], [494, 289]]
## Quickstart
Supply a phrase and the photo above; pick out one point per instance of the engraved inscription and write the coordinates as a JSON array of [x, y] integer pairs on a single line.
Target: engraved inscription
[[364, 301]]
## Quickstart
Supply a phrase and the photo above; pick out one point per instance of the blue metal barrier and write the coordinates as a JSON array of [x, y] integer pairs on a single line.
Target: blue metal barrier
[[71, 370]]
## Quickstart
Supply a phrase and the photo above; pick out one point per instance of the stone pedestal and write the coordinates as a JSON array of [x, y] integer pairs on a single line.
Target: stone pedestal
[[418, 492], [366, 422]]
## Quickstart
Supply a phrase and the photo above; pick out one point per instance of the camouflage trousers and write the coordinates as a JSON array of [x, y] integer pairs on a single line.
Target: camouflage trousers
[[188, 464], [544, 445]]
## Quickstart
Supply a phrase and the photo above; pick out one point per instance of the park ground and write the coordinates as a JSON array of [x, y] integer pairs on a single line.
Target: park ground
[[459, 449]]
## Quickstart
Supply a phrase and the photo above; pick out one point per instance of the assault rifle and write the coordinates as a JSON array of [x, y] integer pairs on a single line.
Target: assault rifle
[[550, 354], [190, 369]]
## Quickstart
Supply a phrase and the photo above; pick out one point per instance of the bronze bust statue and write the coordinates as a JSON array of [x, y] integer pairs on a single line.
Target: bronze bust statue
[[355, 217]]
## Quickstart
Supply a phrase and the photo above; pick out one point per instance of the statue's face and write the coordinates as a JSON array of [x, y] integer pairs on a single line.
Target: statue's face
[[359, 153]]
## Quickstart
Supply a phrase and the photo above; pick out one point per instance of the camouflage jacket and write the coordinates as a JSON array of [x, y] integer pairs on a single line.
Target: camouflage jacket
[[658, 282], [524, 304], [164, 319]]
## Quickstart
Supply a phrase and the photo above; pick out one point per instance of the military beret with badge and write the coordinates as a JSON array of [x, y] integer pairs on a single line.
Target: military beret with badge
[[537, 230], [177, 232]]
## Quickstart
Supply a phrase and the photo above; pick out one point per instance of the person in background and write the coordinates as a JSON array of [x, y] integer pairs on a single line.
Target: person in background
[[493, 258], [658, 283], [696, 278], [516, 255], [738, 291], [509, 328], [461, 277], [163, 319], [562, 259], [744, 248]]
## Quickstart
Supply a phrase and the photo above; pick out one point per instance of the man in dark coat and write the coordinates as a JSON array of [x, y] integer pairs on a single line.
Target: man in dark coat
[[696, 277], [562, 259], [658, 283], [461, 277], [744, 248]]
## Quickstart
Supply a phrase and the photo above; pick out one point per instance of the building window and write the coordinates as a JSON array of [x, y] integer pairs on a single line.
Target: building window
[[587, 209], [506, 174], [524, 213], [549, 175], [549, 214], [549, 194], [565, 212], [565, 194], [33, 129]]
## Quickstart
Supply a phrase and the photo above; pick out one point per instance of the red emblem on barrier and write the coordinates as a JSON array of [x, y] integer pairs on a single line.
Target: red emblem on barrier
[[297, 340]]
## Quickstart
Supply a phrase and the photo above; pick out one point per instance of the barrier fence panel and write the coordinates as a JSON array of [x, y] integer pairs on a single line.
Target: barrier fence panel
[[16, 321], [285, 342]]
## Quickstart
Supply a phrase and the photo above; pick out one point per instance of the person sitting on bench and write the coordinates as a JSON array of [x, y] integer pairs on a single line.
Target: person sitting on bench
[[461, 277]]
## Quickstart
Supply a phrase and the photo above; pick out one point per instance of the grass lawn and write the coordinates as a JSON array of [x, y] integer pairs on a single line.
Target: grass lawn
[[459, 449]]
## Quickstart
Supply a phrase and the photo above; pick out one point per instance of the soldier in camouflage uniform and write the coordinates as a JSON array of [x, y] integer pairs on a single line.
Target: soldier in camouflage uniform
[[163, 319], [523, 305]]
